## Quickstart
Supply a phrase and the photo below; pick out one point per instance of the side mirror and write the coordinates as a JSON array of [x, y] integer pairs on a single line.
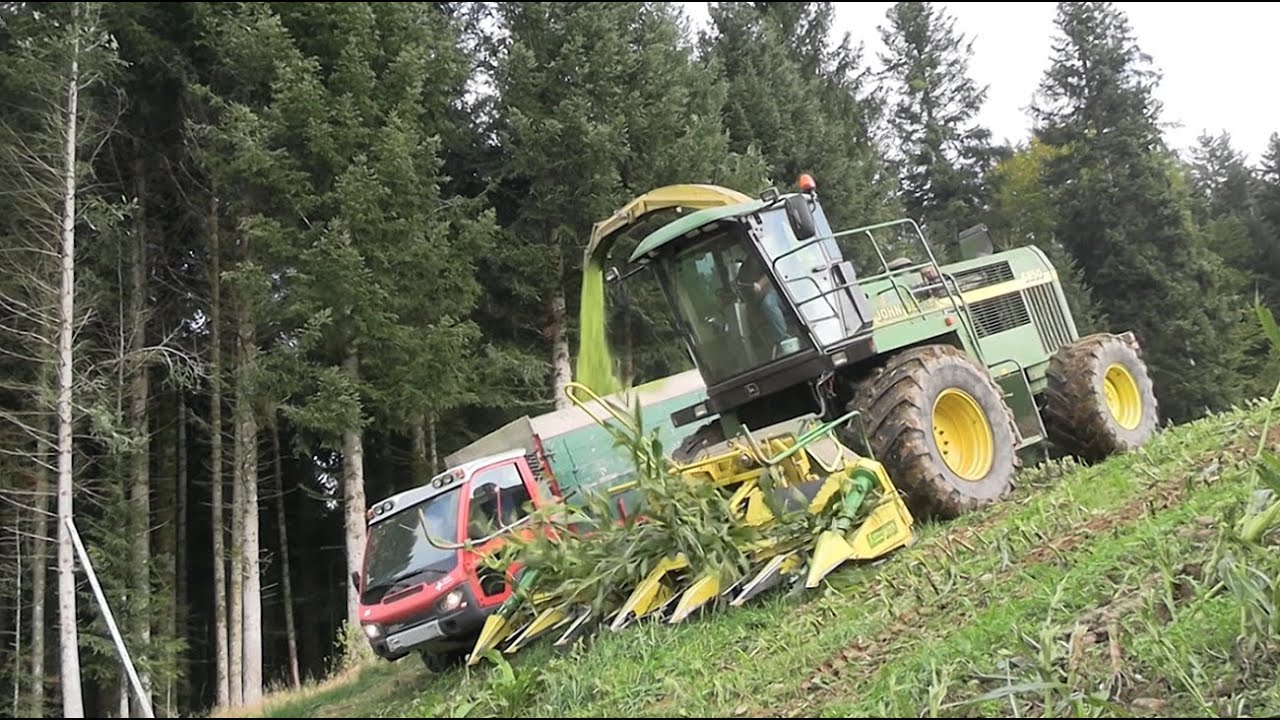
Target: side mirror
[[800, 217], [355, 579]]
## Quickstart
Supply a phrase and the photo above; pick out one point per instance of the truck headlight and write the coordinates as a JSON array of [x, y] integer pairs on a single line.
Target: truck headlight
[[373, 632], [452, 601]]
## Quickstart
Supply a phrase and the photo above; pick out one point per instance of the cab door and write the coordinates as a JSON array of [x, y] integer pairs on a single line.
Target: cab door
[[501, 495]]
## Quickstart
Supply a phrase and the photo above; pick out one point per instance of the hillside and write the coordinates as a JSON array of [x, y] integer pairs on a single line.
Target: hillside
[[1111, 590]]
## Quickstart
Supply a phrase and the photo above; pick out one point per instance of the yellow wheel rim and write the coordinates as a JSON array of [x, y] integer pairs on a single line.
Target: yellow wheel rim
[[964, 438], [1122, 396]]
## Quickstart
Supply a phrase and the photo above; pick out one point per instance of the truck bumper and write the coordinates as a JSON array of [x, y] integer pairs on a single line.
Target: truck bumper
[[435, 631]]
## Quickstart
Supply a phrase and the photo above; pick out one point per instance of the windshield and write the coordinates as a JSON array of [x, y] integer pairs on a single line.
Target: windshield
[[733, 312], [399, 551]]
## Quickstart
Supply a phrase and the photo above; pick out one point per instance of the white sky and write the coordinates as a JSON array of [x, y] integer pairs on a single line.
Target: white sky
[[1217, 61]]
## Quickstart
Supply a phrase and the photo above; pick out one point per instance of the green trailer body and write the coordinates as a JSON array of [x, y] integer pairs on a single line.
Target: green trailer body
[[582, 454]]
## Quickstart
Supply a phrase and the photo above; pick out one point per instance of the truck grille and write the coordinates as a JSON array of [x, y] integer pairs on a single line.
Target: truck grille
[[998, 314], [1051, 322]]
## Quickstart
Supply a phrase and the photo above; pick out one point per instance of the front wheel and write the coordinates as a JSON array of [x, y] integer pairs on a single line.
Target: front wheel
[[440, 661], [940, 426], [1099, 400]]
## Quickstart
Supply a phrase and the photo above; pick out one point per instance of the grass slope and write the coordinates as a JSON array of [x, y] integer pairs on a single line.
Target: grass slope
[[1112, 590]]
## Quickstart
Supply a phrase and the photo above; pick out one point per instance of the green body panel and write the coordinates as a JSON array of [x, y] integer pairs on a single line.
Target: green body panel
[[1010, 314], [582, 454]]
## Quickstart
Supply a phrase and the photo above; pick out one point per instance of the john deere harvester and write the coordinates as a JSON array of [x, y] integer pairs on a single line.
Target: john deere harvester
[[951, 368], [852, 366]]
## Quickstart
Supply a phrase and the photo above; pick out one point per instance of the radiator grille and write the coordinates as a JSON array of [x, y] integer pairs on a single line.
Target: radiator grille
[[998, 314], [983, 276], [1051, 322]]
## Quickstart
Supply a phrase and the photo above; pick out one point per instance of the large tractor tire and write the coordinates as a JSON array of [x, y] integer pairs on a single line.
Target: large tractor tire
[[1099, 400], [939, 424]]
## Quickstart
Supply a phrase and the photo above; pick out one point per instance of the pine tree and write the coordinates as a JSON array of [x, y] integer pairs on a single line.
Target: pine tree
[[344, 222], [615, 83], [1227, 207], [1267, 203], [57, 76], [1024, 212], [803, 102], [942, 154], [1125, 213]]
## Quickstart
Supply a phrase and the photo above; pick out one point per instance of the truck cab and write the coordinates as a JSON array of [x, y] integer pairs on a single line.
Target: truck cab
[[423, 586]]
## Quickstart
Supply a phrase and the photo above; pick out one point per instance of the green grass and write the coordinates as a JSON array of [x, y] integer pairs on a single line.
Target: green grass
[[1113, 590]]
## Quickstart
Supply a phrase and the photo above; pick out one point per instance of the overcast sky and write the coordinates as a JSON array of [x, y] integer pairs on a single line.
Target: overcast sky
[[1218, 61]]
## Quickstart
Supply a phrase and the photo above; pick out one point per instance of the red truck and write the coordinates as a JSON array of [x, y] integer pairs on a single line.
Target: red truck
[[420, 589]]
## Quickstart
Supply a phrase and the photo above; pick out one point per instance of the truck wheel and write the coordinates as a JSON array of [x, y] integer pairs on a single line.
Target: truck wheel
[[940, 426], [441, 661], [1099, 400]]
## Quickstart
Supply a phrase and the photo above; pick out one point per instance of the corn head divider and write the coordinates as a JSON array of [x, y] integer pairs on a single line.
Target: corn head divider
[[802, 475]]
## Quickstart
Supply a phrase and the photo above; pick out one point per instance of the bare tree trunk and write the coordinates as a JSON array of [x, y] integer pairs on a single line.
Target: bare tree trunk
[[164, 603], [562, 369], [68, 637], [17, 620], [222, 672], [435, 448], [180, 561], [140, 488], [235, 665], [353, 495], [247, 482], [39, 560], [290, 630], [422, 470]]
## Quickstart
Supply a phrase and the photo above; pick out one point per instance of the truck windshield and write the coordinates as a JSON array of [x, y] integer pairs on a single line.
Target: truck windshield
[[733, 311], [399, 551]]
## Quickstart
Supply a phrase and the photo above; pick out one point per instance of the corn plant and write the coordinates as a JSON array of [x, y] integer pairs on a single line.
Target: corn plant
[[581, 555], [1265, 514]]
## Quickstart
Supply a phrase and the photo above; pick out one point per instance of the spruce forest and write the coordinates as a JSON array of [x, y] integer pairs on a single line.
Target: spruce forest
[[262, 264]]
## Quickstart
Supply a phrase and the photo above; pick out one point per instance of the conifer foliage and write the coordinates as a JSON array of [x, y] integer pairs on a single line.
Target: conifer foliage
[[941, 153], [1124, 212]]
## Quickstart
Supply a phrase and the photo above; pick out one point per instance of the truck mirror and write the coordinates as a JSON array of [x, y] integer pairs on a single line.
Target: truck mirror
[[800, 217]]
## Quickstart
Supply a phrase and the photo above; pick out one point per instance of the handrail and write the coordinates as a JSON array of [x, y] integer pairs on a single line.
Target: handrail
[[571, 387], [801, 442], [946, 281]]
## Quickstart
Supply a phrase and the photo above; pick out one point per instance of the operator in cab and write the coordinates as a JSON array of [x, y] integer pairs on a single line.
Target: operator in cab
[[752, 277]]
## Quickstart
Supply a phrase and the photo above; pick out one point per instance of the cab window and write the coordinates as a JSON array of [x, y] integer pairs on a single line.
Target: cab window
[[499, 499]]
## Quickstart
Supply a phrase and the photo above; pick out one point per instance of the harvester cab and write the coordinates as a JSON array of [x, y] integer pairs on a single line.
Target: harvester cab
[[764, 299]]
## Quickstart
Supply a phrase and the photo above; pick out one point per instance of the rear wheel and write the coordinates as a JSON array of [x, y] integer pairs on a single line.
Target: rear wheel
[[938, 423], [1099, 400]]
